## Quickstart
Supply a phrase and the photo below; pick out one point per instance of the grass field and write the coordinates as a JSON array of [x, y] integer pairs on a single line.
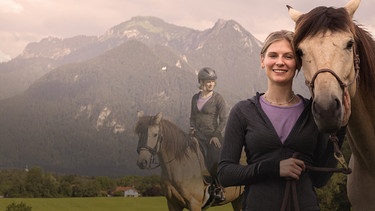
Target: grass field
[[96, 204]]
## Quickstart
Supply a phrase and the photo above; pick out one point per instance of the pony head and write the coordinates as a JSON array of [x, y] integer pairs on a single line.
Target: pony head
[[325, 40]]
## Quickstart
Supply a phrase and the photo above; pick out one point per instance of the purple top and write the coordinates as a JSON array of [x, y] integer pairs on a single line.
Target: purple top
[[282, 118], [201, 101]]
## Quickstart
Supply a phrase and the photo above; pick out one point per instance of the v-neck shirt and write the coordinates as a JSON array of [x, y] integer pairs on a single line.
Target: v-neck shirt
[[201, 101], [283, 118]]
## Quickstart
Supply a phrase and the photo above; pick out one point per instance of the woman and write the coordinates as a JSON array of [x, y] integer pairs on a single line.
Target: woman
[[272, 127], [207, 121]]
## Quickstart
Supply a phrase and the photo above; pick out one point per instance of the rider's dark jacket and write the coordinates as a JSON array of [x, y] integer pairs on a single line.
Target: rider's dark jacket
[[248, 126], [211, 119]]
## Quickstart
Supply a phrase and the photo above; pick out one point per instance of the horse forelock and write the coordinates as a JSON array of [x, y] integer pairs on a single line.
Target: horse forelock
[[321, 20]]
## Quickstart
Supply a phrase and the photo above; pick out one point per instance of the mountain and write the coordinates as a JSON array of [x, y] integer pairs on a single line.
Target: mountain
[[69, 105]]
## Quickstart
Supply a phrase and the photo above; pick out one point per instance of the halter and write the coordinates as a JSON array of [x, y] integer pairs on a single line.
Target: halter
[[290, 193], [343, 85], [153, 150]]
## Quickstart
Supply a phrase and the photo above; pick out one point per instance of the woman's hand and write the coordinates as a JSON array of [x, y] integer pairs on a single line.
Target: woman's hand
[[347, 108], [291, 167], [215, 141]]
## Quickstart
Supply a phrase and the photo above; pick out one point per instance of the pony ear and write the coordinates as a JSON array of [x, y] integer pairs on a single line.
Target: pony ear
[[140, 114], [157, 118], [294, 14], [352, 6]]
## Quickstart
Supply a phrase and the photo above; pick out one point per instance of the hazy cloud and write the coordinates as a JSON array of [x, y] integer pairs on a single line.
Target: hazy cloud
[[10, 6], [31, 20]]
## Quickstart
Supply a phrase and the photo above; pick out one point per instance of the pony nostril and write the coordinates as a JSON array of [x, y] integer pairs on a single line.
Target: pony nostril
[[338, 104], [316, 108], [144, 163]]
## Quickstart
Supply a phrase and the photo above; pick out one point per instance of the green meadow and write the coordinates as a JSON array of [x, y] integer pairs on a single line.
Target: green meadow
[[96, 204]]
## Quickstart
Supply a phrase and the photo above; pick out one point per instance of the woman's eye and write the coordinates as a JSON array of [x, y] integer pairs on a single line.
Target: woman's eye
[[289, 57], [273, 56]]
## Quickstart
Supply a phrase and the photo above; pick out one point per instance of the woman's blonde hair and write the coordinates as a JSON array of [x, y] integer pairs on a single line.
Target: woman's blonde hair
[[277, 36]]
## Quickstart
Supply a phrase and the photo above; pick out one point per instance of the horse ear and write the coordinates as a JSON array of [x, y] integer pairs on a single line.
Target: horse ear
[[294, 14], [157, 118], [140, 114], [352, 6]]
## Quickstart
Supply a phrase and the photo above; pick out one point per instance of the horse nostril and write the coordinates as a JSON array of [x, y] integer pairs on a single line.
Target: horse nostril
[[144, 163], [338, 104]]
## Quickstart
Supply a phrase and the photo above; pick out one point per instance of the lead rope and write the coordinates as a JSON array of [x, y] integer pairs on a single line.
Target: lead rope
[[291, 185]]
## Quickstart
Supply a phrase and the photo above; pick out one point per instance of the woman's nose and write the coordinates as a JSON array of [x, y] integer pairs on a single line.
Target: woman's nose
[[279, 62]]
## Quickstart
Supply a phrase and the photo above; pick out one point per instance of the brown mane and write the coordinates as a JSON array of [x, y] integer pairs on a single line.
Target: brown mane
[[324, 19], [176, 140]]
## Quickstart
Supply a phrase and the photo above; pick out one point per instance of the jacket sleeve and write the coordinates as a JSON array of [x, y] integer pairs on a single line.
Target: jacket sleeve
[[192, 112], [230, 171], [222, 111], [324, 157]]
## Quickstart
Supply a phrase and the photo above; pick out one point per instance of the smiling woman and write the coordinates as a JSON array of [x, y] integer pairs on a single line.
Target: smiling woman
[[280, 138]]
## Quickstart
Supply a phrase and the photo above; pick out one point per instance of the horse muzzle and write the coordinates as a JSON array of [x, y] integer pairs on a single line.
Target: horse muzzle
[[328, 113], [144, 159]]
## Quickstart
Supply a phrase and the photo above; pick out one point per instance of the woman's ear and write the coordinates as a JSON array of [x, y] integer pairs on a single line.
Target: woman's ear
[[262, 62]]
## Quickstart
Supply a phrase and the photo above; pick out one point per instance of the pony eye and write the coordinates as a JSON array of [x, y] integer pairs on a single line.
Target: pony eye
[[299, 52], [155, 135], [349, 45]]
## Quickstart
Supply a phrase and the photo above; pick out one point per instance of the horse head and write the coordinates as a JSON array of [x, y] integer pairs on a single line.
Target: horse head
[[325, 42], [149, 133]]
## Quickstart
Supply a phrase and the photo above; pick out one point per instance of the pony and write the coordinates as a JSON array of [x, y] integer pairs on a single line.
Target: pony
[[338, 56], [181, 162]]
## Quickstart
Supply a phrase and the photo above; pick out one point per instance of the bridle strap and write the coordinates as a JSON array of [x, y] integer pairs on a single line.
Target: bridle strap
[[343, 85], [153, 150]]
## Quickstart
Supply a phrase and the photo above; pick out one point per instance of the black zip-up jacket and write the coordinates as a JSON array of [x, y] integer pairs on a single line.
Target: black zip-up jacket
[[249, 127]]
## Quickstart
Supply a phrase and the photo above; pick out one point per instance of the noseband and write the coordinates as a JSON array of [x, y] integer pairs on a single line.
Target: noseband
[[343, 85], [153, 150]]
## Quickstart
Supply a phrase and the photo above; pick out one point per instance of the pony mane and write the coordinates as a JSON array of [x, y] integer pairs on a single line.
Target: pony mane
[[323, 19], [366, 51], [175, 140]]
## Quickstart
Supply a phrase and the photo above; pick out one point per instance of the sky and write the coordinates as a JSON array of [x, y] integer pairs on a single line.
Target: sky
[[25, 21]]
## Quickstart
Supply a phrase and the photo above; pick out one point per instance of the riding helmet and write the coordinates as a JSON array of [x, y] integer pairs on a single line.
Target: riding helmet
[[207, 74]]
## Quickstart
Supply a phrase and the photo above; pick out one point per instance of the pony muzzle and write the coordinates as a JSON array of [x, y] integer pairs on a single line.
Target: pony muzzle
[[328, 114]]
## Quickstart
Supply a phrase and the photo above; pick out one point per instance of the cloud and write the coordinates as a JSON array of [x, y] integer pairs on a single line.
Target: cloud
[[31, 20], [4, 57], [10, 6]]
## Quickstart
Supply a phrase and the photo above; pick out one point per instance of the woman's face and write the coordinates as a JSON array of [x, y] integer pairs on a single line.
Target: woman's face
[[209, 85], [279, 62]]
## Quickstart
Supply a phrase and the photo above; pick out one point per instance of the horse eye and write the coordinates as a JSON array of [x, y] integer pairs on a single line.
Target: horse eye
[[155, 135], [349, 45], [299, 52]]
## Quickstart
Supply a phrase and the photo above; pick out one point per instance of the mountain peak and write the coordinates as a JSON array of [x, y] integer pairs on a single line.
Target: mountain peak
[[142, 24]]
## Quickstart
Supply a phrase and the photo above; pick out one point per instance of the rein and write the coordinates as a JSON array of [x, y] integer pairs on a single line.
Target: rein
[[291, 185]]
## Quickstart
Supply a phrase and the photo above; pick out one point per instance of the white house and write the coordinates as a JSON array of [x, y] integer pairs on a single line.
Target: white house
[[128, 191]]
